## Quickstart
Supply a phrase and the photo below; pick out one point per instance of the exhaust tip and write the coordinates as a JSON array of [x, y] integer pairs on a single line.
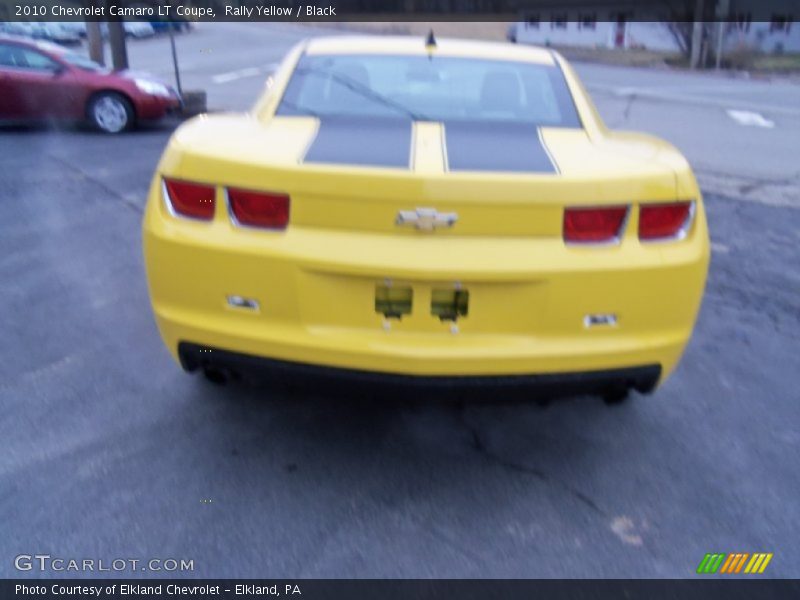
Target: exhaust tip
[[216, 376]]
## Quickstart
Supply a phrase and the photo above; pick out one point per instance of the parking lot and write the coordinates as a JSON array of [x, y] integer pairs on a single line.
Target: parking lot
[[111, 451]]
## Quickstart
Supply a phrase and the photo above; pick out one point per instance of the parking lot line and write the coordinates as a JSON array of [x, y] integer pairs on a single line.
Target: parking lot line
[[234, 75]]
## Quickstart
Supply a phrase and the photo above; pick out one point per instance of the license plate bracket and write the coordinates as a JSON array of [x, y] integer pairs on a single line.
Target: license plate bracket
[[449, 304], [393, 301]]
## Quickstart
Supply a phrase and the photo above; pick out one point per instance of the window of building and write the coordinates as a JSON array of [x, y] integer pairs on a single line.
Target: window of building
[[587, 21], [558, 21]]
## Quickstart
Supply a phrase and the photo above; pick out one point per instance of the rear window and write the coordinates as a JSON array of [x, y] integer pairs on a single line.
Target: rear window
[[431, 89]]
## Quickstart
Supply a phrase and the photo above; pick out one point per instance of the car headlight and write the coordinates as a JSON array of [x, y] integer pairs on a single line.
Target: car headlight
[[152, 88]]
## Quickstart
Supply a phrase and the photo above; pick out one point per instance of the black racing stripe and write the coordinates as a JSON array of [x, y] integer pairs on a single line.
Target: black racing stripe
[[362, 141], [485, 146]]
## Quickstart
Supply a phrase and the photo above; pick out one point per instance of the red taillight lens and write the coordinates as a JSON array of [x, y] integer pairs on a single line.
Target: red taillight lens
[[594, 225], [259, 209], [191, 199], [659, 221]]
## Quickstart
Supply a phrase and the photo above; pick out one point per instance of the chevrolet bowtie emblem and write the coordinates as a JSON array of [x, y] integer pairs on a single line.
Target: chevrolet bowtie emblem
[[426, 219]]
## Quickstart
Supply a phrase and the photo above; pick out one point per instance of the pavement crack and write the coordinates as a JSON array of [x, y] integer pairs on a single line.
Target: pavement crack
[[98, 182], [625, 529], [480, 446], [626, 113]]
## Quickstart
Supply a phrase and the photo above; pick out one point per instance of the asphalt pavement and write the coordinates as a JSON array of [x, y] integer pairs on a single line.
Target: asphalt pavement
[[110, 451]]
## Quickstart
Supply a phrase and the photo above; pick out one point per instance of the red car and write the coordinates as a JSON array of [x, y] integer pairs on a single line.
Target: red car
[[40, 80]]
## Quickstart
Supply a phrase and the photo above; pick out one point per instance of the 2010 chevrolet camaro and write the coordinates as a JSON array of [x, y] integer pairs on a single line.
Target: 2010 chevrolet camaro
[[427, 212]]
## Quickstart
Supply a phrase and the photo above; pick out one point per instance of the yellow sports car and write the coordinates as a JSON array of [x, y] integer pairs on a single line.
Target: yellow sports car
[[426, 211]]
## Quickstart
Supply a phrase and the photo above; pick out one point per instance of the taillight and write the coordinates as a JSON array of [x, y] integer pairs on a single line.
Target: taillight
[[188, 199], [660, 221], [594, 225], [259, 209]]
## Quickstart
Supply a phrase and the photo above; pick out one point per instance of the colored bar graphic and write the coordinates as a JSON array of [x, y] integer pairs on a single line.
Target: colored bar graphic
[[737, 558], [710, 563], [728, 564], [762, 559], [765, 563], [741, 562], [751, 564], [734, 562], [701, 568]]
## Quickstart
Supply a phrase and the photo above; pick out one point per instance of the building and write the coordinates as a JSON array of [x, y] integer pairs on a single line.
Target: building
[[767, 26], [586, 30]]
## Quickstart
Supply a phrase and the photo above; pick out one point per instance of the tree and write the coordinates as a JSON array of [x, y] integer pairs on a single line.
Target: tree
[[688, 22]]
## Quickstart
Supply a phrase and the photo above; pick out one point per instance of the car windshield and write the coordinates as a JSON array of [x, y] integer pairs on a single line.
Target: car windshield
[[76, 60], [422, 88]]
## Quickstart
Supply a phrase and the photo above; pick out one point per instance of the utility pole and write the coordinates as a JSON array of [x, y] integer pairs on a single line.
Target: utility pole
[[116, 39], [175, 60], [697, 35], [94, 38]]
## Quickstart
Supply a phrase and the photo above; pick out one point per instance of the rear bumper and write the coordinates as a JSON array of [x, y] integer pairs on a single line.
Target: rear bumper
[[550, 385], [528, 299]]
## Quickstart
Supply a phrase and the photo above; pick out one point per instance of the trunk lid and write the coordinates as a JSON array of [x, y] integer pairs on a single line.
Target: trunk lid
[[357, 178]]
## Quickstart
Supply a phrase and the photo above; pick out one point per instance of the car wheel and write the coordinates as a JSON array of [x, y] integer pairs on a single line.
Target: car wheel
[[110, 112]]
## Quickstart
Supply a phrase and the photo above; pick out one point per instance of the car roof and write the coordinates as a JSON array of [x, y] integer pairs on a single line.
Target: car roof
[[415, 46], [44, 46], [16, 39]]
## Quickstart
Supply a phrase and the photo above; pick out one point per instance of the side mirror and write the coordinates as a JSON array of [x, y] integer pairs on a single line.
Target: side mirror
[[57, 70]]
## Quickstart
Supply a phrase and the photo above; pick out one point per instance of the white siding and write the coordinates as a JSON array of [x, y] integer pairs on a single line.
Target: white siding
[[649, 35]]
